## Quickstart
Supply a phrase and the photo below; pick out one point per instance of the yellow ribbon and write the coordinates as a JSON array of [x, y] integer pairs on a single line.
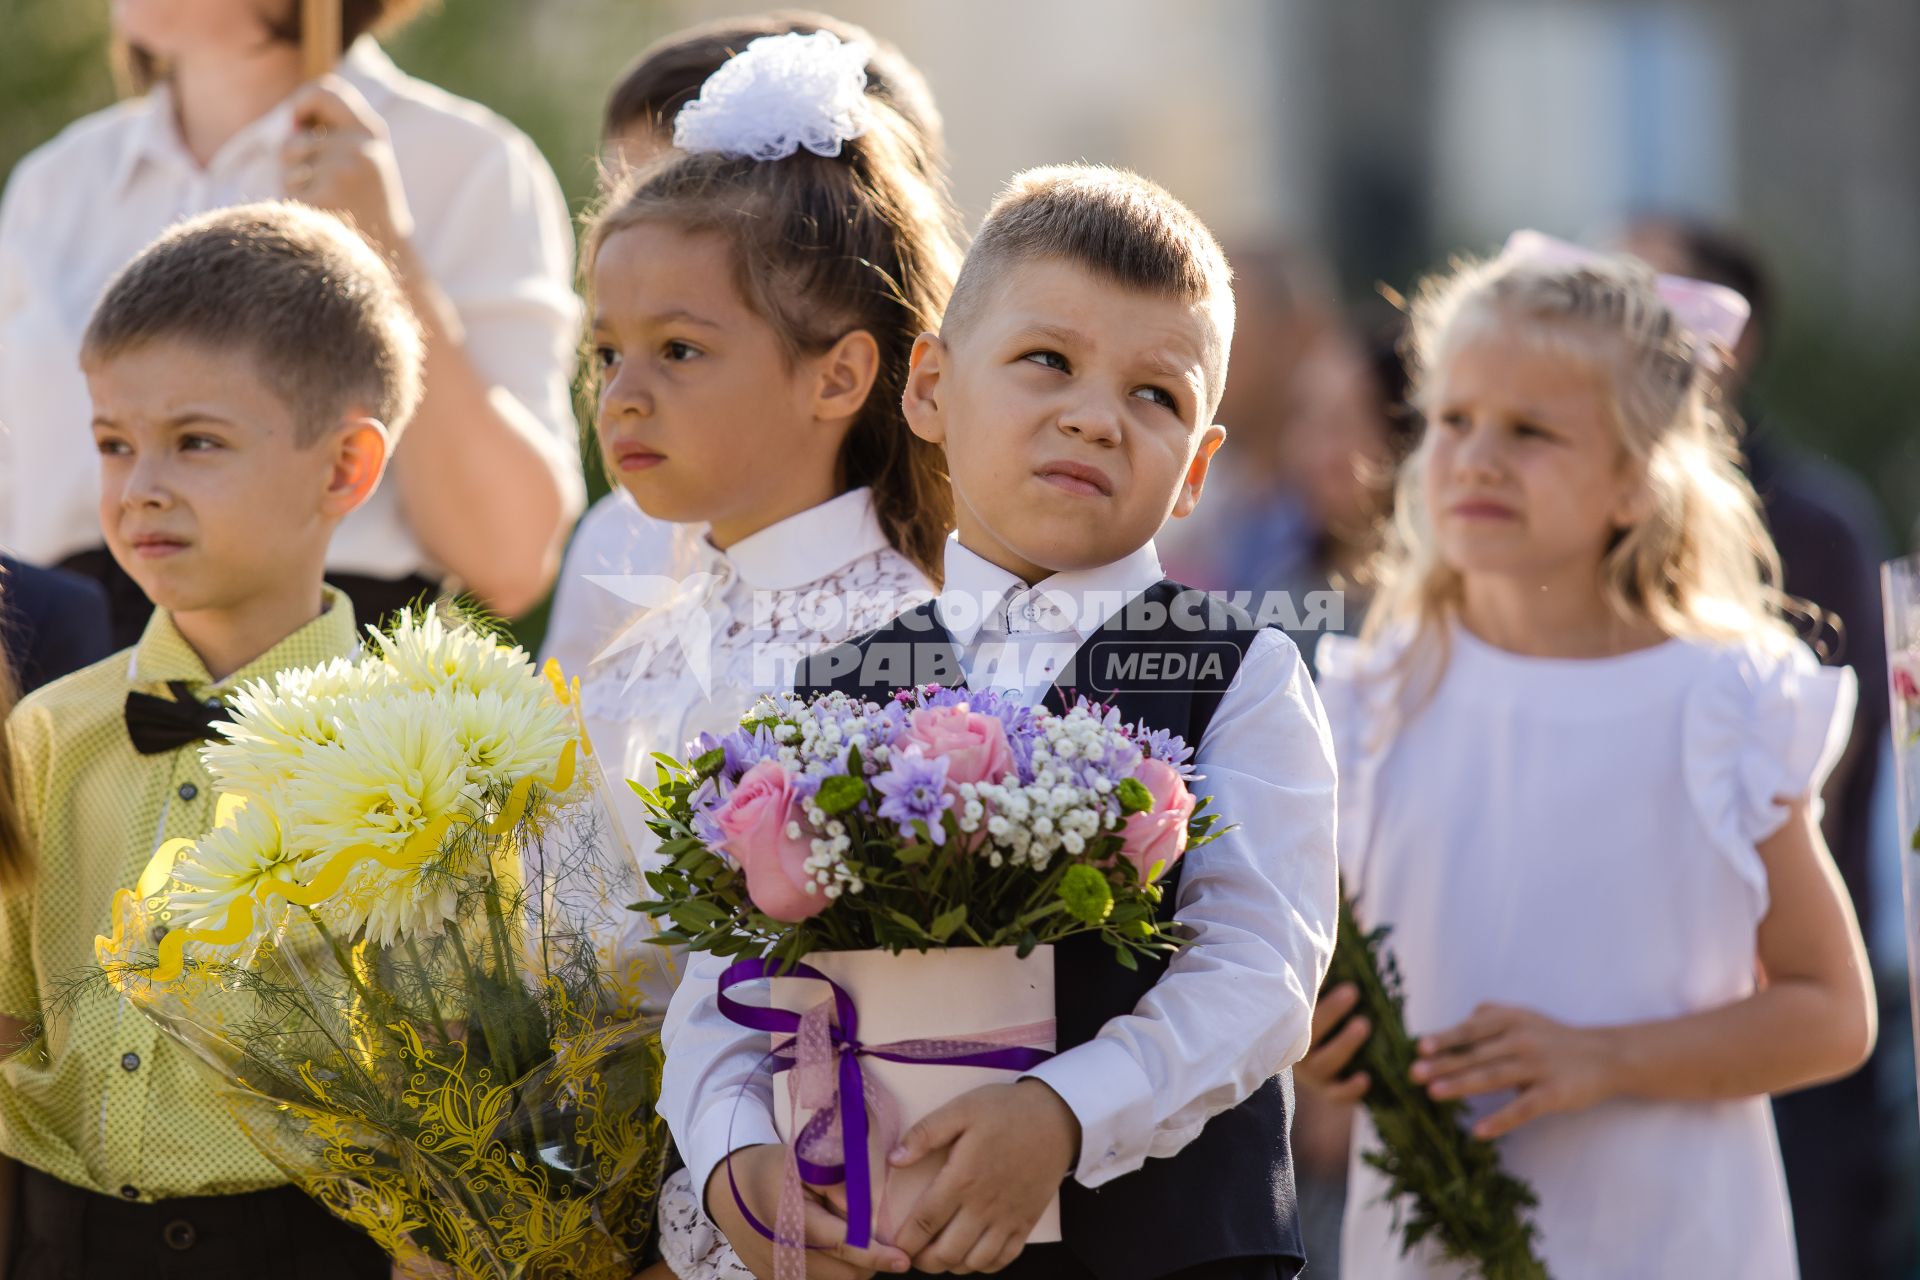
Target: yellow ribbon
[[238, 925]]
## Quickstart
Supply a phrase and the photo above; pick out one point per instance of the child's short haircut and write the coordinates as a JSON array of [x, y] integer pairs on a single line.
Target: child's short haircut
[[297, 290], [1113, 223], [669, 73]]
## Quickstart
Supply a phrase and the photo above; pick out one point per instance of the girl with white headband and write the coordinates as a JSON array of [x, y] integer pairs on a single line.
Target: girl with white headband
[[1581, 753], [754, 297]]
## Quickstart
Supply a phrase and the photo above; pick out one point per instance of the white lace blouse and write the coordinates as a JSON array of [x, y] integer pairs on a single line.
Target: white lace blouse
[[736, 627]]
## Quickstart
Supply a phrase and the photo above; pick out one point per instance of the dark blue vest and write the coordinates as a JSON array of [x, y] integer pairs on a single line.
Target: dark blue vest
[[1165, 661]]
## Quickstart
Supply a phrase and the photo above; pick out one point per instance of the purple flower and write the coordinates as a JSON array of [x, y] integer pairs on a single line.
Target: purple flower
[[934, 695], [1164, 744], [707, 801], [916, 790], [744, 750]]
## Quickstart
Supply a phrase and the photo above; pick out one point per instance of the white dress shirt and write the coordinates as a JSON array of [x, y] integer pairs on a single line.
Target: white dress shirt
[[491, 228], [1234, 1006]]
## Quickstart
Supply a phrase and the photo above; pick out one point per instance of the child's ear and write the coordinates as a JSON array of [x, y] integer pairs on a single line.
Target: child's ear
[[357, 459], [1635, 504], [847, 372], [921, 402], [1189, 496]]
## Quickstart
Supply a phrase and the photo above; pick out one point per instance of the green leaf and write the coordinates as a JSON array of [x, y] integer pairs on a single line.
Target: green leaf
[[913, 854], [912, 926], [947, 921], [841, 793], [1134, 796]]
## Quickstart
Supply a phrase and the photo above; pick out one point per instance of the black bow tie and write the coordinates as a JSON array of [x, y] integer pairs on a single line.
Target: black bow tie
[[157, 725]]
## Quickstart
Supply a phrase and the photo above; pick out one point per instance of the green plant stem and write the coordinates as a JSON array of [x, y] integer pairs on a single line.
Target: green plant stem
[[426, 988], [476, 983]]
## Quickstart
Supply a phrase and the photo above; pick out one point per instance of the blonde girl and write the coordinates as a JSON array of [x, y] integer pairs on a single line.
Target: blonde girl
[[1581, 755]]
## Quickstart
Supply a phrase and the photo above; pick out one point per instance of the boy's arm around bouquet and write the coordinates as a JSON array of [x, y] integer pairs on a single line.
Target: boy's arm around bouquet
[[1231, 1009]]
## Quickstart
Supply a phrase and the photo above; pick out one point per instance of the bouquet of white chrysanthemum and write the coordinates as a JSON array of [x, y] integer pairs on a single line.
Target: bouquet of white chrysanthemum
[[397, 948]]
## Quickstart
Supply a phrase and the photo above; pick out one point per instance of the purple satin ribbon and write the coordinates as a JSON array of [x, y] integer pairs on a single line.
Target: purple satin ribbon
[[849, 1104]]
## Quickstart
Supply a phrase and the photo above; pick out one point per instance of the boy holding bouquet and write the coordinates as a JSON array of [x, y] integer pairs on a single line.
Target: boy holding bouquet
[[1072, 386], [249, 372]]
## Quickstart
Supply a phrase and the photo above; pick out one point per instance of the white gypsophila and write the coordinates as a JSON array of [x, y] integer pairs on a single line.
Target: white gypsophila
[[777, 95]]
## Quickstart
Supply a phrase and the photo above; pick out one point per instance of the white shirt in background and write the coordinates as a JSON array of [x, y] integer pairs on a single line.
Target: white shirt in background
[[491, 228], [1235, 1005], [614, 540], [1579, 837]]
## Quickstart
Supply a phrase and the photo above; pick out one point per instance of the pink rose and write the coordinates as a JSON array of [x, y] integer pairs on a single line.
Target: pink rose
[[1906, 679], [754, 826], [973, 745], [1156, 839]]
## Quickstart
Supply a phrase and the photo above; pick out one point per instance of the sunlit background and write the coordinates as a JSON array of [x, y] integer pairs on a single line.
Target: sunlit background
[[1362, 141], [1382, 135]]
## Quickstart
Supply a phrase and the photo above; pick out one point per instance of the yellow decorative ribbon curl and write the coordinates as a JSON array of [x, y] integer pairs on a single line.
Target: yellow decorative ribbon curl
[[238, 925]]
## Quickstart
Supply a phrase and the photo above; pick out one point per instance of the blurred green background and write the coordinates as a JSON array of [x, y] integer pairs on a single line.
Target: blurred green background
[[1356, 174]]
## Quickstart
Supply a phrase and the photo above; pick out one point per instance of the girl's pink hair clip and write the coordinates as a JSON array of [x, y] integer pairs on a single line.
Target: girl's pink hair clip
[[1712, 313]]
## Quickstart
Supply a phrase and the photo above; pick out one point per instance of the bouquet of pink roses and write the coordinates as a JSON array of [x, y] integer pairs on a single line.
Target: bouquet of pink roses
[[899, 872], [941, 818]]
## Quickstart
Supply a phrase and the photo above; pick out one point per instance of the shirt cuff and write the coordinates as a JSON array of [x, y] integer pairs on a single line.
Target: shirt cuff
[[718, 1135], [1111, 1097]]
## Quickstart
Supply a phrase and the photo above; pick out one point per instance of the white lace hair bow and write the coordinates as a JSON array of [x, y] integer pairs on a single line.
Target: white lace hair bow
[[777, 95], [1712, 314]]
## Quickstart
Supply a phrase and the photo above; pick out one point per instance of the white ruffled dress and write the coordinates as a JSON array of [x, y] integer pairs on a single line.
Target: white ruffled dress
[[1578, 837]]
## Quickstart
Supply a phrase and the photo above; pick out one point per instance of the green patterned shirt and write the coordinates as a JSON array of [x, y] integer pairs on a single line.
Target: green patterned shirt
[[114, 1105]]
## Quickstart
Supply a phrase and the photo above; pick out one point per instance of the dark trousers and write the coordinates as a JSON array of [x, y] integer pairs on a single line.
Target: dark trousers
[[128, 608], [64, 1233], [1055, 1262]]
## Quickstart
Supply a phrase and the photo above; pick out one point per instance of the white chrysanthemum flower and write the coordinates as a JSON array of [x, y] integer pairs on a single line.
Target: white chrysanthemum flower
[[509, 733], [274, 724], [226, 864], [397, 769], [425, 653], [339, 678]]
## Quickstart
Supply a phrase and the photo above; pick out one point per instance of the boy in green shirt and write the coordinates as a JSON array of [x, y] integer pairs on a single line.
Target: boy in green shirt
[[249, 373]]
